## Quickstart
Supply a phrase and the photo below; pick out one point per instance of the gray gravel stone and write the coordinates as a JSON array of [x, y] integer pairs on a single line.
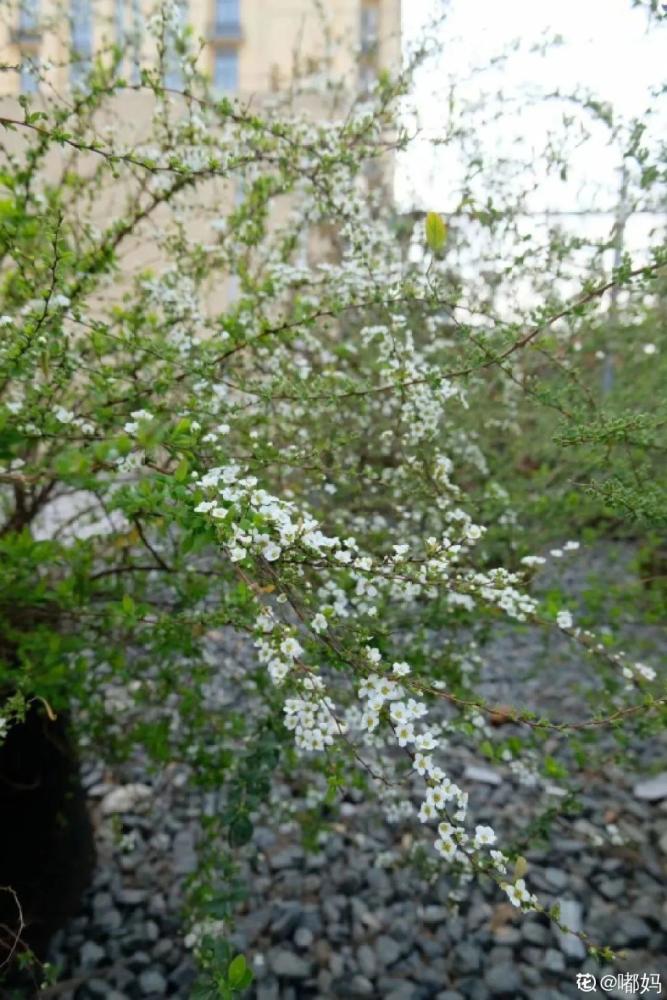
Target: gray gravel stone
[[571, 917], [553, 960], [360, 986], [152, 981], [387, 950], [631, 931], [109, 920], [268, 989], [97, 987], [290, 857], [91, 955], [503, 980], [183, 976], [482, 774], [652, 789], [435, 915], [102, 901], [612, 888], [534, 932], [131, 897], [185, 854], [303, 937], [467, 957], [367, 961], [288, 965], [400, 990]]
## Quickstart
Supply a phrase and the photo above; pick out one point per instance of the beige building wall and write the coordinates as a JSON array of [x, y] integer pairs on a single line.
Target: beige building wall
[[270, 41], [273, 41]]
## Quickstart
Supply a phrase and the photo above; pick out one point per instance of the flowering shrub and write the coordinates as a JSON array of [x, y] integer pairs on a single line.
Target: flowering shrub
[[298, 463]]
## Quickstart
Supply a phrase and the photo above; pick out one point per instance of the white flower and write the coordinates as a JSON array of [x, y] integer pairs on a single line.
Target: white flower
[[271, 552], [62, 415], [564, 619], [425, 741], [650, 349], [290, 647], [648, 673], [400, 669], [446, 848], [518, 894], [422, 763], [436, 797], [398, 712], [427, 812], [370, 720], [204, 507], [499, 861], [484, 836], [237, 553], [405, 734], [265, 622], [319, 623], [416, 709]]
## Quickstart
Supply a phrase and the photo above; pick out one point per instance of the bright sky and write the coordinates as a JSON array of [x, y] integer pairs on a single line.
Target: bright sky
[[608, 47]]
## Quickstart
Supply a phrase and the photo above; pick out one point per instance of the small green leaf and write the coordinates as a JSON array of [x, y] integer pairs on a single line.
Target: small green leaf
[[520, 867], [181, 473], [237, 970], [247, 979], [436, 231], [240, 830], [127, 604]]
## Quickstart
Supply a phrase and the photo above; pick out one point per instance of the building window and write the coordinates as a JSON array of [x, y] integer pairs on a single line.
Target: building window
[[29, 78], [28, 38], [81, 21], [173, 68], [227, 19], [370, 26], [28, 20], [226, 70], [367, 77], [135, 42], [120, 21]]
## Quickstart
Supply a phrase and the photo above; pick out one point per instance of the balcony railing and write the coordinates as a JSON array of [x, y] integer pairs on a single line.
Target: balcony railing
[[226, 30]]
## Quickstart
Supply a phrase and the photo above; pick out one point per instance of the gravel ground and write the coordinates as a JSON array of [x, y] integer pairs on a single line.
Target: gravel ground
[[351, 920]]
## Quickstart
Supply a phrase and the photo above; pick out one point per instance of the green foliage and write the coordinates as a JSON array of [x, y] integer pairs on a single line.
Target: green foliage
[[341, 465]]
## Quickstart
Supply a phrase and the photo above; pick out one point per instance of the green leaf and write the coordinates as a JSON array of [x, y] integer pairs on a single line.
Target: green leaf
[[237, 970], [240, 830], [181, 473], [127, 604], [247, 979], [436, 231]]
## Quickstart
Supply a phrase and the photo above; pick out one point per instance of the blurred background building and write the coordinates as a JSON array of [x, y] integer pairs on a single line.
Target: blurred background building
[[250, 46]]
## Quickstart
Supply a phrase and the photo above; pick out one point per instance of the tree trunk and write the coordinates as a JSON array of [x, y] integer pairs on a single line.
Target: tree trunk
[[46, 840]]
